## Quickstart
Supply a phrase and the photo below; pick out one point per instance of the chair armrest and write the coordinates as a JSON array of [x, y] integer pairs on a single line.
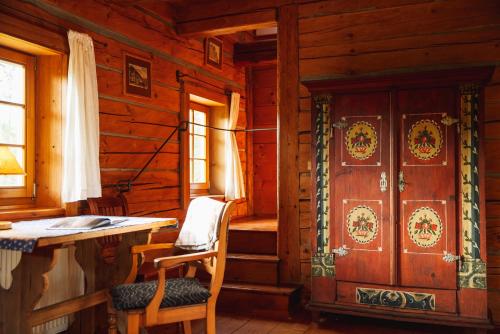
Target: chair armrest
[[170, 261], [137, 249]]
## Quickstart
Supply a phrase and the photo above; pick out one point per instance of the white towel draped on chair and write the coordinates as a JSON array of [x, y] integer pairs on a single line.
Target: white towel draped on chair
[[200, 230]]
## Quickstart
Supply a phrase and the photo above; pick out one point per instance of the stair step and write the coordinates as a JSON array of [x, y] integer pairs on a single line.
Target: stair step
[[252, 268], [253, 223], [253, 235], [267, 301], [253, 257]]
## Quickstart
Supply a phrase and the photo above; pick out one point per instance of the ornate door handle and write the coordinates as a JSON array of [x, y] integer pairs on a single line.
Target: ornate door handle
[[401, 181], [341, 251], [448, 257], [383, 182]]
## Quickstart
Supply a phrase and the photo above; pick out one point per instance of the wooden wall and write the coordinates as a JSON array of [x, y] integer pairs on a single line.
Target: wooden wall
[[264, 87], [132, 128], [353, 38]]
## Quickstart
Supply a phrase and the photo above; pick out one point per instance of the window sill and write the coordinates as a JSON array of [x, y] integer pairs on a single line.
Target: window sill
[[31, 214], [218, 197]]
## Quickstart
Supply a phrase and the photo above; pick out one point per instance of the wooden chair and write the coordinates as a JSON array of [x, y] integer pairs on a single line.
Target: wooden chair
[[109, 206], [184, 299]]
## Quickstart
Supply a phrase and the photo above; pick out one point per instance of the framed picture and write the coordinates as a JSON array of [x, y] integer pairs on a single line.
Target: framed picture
[[213, 52], [136, 76]]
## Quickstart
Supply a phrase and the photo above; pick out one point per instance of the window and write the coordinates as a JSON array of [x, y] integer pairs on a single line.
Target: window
[[17, 119], [198, 147]]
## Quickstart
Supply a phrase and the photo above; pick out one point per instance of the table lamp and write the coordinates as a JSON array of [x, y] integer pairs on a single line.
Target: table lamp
[[8, 166]]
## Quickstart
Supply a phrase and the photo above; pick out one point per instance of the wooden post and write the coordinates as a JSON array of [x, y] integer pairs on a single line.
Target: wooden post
[[249, 141], [288, 113]]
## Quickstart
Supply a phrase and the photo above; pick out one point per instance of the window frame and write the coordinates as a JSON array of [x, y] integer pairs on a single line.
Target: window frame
[[199, 188], [28, 61]]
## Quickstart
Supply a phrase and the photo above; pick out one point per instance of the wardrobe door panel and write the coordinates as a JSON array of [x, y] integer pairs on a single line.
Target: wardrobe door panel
[[427, 188], [360, 175]]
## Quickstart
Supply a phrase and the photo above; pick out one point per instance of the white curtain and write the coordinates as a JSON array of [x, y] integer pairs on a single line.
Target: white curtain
[[81, 174], [235, 184]]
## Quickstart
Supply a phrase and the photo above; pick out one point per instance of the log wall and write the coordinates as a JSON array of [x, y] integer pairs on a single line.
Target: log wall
[[358, 38], [131, 127], [264, 143]]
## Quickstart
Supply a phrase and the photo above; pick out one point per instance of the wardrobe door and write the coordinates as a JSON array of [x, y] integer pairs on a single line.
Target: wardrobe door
[[360, 175], [427, 189]]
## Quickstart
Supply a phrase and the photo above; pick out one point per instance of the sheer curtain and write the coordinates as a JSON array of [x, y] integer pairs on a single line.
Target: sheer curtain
[[81, 174], [235, 184]]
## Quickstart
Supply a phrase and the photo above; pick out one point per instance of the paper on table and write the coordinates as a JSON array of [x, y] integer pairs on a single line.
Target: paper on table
[[84, 223]]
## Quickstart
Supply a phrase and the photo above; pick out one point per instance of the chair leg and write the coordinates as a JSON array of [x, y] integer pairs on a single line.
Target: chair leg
[[187, 327], [133, 324], [112, 319], [211, 320]]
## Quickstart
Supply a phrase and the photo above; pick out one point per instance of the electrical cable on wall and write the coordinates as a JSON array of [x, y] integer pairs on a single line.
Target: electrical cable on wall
[[125, 186]]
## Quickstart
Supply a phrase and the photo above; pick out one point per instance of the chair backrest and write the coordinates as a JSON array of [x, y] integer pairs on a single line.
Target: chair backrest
[[201, 227], [109, 206], [219, 263]]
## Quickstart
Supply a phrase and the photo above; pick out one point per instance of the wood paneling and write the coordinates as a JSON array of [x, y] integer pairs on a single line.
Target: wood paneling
[[264, 87], [132, 128]]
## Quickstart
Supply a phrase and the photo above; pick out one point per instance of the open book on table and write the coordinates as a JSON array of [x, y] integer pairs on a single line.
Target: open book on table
[[85, 223]]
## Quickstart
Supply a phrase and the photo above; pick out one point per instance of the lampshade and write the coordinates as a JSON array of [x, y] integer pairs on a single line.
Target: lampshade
[[8, 163]]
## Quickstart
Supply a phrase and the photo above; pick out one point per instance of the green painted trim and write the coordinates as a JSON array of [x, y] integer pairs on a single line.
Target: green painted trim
[[396, 299], [156, 82], [323, 265], [146, 11], [108, 68], [87, 24], [472, 274]]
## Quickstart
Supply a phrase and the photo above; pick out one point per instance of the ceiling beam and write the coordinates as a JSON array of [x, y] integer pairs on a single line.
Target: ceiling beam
[[253, 53], [229, 24]]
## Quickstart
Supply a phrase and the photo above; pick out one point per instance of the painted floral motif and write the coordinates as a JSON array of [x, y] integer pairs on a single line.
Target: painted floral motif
[[362, 224], [361, 140], [425, 139], [425, 227]]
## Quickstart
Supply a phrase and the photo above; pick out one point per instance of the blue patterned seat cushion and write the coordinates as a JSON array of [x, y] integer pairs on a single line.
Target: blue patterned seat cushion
[[178, 292]]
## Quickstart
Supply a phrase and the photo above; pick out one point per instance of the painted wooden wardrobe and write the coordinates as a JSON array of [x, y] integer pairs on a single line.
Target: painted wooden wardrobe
[[398, 184]]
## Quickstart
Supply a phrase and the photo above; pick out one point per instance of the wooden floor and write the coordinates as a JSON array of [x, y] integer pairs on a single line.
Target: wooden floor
[[234, 324]]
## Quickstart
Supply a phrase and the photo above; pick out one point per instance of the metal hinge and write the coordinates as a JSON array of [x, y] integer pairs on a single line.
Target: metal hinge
[[342, 124], [33, 194], [448, 257], [341, 251], [448, 120]]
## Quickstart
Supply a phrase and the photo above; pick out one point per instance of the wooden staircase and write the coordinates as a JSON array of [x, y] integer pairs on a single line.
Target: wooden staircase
[[251, 281]]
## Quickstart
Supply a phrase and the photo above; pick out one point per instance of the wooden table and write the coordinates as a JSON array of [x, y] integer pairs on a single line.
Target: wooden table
[[104, 256]]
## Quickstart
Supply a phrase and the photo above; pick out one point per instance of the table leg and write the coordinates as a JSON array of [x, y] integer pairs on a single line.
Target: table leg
[[29, 283], [102, 272]]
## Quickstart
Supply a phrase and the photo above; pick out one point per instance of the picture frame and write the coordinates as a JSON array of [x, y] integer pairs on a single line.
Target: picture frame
[[213, 52], [136, 76]]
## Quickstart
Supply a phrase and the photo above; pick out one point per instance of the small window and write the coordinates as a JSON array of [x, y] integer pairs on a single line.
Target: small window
[[17, 120], [198, 148]]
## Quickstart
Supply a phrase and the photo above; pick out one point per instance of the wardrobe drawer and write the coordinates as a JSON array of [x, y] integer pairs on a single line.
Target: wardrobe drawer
[[400, 298]]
